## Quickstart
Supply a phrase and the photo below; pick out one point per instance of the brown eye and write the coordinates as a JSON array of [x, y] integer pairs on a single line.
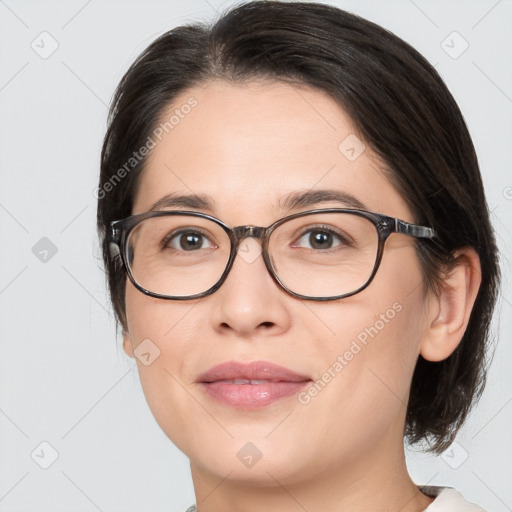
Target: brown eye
[[187, 240], [321, 238]]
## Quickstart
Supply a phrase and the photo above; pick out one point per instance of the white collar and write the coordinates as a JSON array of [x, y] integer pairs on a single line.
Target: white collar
[[447, 499]]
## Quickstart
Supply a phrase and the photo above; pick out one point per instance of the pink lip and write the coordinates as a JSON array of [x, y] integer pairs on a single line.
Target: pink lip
[[282, 382]]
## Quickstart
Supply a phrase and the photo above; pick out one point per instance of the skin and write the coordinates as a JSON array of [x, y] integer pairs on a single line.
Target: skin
[[247, 145]]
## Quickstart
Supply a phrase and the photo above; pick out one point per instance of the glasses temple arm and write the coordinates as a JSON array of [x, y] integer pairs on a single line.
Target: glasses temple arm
[[413, 230], [113, 240]]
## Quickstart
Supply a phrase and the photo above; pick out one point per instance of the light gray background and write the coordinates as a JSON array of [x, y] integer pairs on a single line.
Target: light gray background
[[63, 377]]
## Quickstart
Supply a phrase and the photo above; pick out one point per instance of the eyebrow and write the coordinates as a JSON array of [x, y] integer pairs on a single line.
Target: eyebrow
[[301, 199], [192, 201], [292, 201]]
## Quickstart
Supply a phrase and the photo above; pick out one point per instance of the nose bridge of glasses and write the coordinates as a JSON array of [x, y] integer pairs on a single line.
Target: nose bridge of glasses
[[241, 232]]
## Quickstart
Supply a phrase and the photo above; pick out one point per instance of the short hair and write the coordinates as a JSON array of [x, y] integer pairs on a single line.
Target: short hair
[[401, 109]]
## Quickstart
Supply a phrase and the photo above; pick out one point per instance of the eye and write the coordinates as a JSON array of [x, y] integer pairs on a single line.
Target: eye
[[187, 240], [320, 238]]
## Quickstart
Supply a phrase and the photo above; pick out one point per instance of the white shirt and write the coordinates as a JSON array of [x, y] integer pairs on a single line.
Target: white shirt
[[447, 499]]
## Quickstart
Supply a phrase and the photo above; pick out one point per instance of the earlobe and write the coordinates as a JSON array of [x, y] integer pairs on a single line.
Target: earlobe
[[454, 303], [127, 344]]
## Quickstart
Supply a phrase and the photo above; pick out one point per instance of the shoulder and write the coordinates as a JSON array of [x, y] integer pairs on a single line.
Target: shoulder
[[448, 499]]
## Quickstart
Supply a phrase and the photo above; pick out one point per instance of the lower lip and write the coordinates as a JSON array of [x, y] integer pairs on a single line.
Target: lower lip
[[251, 396]]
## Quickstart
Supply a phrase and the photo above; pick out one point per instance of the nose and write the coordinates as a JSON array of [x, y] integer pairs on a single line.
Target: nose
[[250, 302]]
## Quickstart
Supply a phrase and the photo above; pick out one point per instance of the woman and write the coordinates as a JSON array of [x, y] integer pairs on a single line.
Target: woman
[[299, 254]]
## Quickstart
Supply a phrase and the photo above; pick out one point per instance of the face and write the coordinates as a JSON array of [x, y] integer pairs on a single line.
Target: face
[[247, 146]]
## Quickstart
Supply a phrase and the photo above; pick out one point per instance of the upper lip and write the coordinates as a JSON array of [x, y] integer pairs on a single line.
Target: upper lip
[[255, 370]]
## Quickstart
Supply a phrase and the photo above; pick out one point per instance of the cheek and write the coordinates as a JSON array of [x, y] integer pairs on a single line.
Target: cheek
[[160, 333], [363, 369], [162, 321], [373, 342], [369, 340]]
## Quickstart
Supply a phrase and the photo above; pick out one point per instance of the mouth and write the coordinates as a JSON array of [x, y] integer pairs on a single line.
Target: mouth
[[252, 385]]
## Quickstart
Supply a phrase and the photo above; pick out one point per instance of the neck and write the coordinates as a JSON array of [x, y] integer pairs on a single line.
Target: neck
[[378, 480]]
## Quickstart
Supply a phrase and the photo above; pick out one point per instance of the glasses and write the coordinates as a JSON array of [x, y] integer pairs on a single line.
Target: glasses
[[320, 255]]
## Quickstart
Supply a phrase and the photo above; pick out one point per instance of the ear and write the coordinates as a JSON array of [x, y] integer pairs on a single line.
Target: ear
[[127, 344], [450, 310]]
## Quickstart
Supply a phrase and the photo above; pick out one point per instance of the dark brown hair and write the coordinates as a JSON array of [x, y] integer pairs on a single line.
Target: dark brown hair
[[400, 107]]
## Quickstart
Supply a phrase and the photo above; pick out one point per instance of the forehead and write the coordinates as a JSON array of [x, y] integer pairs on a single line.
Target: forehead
[[248, 145]]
